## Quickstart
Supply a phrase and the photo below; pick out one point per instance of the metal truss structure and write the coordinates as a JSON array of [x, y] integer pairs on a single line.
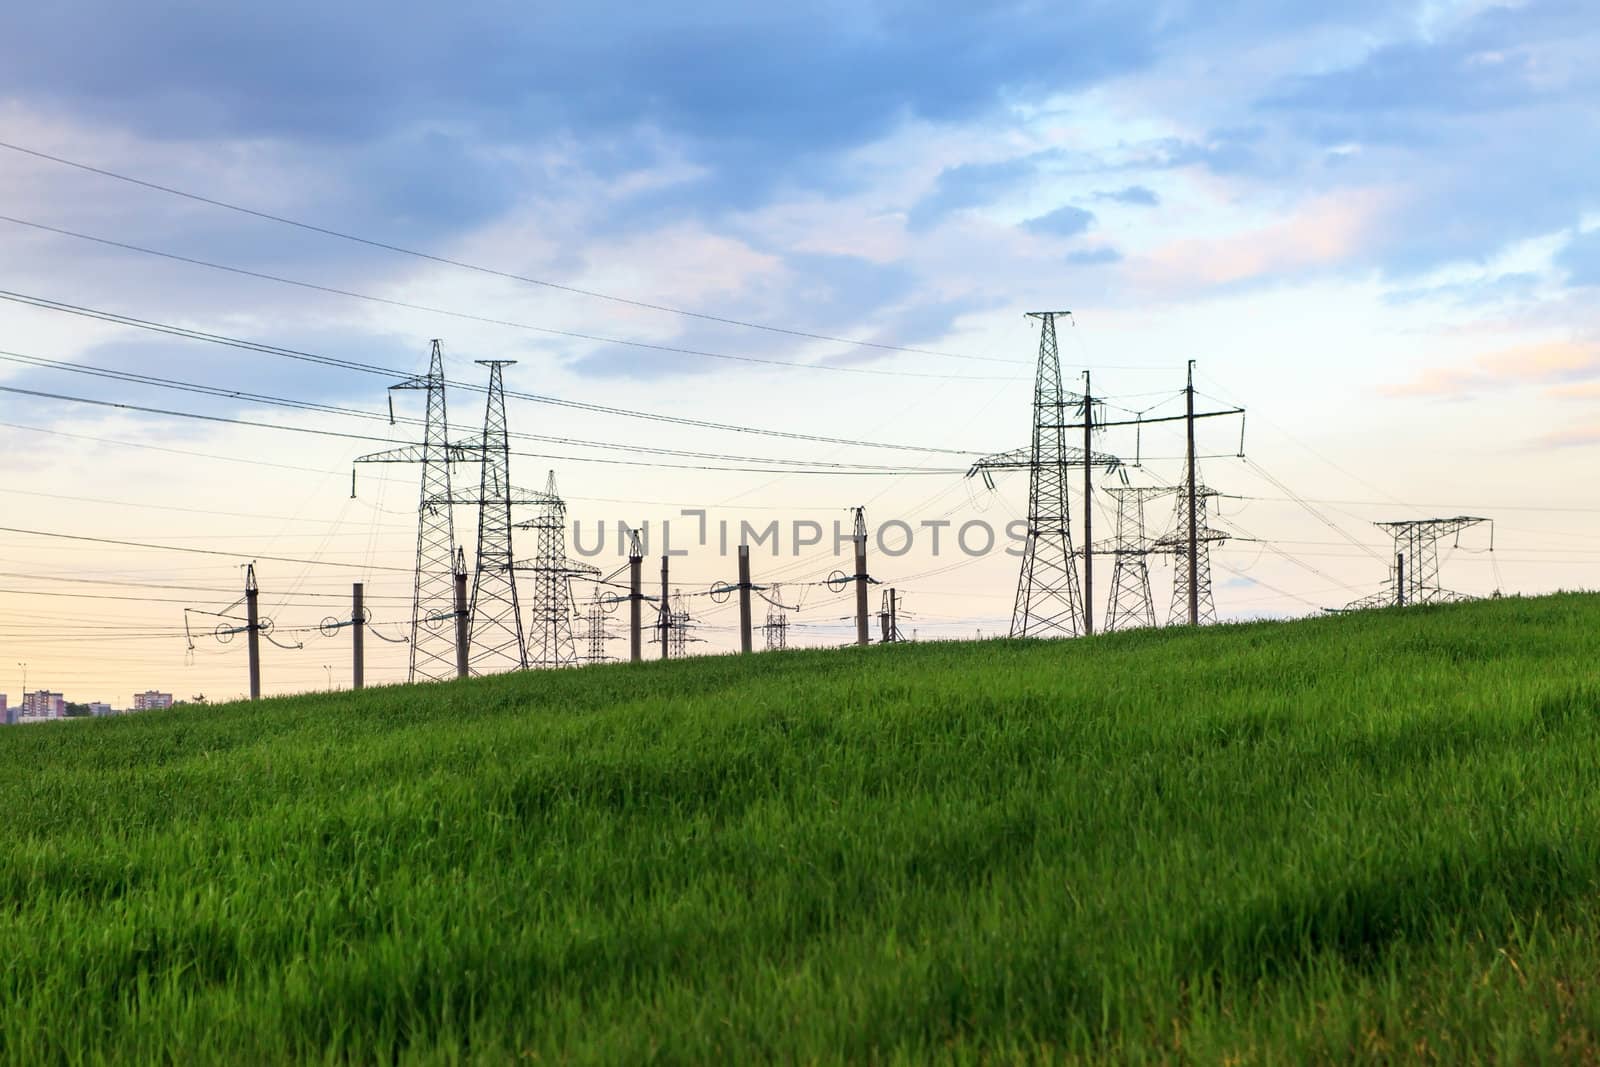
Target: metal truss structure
[[1048, 601], [550, 637], [1131, 605]]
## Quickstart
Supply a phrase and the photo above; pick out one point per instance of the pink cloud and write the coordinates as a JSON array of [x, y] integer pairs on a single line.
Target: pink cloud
[[1571, 437], [1566, 367], [1323, 231]]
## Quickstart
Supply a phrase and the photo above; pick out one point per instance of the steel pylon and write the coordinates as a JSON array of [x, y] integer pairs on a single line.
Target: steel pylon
[[1178, 544], [497, 642], [1131, 604], [433, 643], [550, 637], [1416, 551], [1048, 602]]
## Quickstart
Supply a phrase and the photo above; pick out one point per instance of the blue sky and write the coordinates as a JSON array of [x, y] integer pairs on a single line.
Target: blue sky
[[1376, 224]]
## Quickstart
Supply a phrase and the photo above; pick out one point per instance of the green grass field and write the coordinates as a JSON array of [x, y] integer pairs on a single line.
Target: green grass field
[[1364, 837]]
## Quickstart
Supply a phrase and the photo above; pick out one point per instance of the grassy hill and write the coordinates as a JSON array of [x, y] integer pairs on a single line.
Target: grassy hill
[[1371, 836]]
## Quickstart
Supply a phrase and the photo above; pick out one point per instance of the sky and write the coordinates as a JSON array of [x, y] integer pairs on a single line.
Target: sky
[[1374, 226]]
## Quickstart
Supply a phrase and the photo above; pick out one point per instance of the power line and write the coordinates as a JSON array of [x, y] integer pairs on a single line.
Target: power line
[[199, 551], [814, 467], [508, 275], [144, 505], [169, 451], [47, 304], [485, 319], [374, 416]]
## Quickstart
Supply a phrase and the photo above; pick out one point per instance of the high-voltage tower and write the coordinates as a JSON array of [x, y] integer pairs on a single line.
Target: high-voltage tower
[[433, 643], [889, 618], [677, 622], [776, 628], [1131, 605], [1192, 599], [1414, 578], [1048, 602], [597, 631], [550, 639], [496, 642]]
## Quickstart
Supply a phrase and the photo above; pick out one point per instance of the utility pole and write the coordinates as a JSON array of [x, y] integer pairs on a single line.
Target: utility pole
[[1194, 528], [665, 614], [1049, 603], [252, 630], [358, 633], [463, 615], [862, 635], [1400, 579], [1088, 511], [635, 597], [744, 599]]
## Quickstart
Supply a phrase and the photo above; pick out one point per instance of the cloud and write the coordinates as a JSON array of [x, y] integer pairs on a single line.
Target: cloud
[[756, 90], [1466, 124], [1557, 364], [1581, 259], [1133, 194], [970, 185], [1324, 232], [1066, 221], [1094, 256], [1571, 437], [1463, 76], [1511, 285]]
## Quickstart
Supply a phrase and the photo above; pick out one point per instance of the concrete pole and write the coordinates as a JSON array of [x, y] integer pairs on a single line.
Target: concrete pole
[[744, 599], [1400, 579], [1088, 510], [1194, 534], [358, 635], [462, 630], [666, 609], [252, 631], [862, 635], [635, 607]]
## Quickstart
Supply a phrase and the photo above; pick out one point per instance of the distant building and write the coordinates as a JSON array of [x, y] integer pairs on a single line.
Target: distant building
[[99, 710], [8, 716], [151, 699], [44, 705]]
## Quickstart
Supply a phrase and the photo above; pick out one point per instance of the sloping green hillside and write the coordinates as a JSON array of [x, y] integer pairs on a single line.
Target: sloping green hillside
[[1364, 836]]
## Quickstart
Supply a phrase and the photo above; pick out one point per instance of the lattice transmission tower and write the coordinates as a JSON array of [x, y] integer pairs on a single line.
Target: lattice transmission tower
[[497, 642], [678, 622], [1131, 605], [597, 631], [776, 628], [1414, 577], [1177, 543], [433, 643], [1048, 602], [550, 638]]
